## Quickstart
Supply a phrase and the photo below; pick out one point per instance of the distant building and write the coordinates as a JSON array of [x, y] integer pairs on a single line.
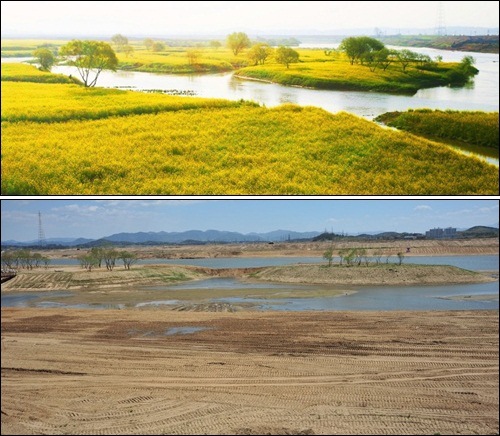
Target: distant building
[[438, 233]]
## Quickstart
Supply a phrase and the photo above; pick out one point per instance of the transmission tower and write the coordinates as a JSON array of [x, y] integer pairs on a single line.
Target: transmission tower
[[41, 235], [441, 24]]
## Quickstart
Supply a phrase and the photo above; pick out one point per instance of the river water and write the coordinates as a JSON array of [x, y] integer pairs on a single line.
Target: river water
[[479, 296], [473, 263], [481, 94]]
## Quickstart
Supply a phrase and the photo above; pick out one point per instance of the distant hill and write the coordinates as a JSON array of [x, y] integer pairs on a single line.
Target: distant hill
[[187, 237], [477, 43], [207, 236], [480, 232]]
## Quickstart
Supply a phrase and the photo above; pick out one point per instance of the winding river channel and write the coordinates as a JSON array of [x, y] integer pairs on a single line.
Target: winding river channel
[[481, 94], [479, 296]]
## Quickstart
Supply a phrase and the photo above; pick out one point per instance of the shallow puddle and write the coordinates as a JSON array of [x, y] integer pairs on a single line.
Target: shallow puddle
[[184, 330]]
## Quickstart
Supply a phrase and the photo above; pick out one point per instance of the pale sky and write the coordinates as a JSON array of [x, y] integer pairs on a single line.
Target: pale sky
[[177, 18], [98, 218]]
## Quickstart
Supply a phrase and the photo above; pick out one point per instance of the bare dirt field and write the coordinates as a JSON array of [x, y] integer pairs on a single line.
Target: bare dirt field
[[156, 371], [67, 371], [417, 248]]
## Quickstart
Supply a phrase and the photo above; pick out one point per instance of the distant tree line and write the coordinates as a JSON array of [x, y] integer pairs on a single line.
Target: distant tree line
[[359, 256], [374, 54]]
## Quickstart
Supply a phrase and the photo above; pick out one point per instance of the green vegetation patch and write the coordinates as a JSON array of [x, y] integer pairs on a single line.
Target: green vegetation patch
[[474, 128], [336, 73]]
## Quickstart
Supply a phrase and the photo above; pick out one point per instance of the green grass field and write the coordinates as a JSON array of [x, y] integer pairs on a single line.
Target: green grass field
[[474, 128]]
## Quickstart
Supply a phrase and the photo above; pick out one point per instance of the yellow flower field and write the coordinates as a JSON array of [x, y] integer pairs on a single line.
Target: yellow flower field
[[244, 150], [62, 102]]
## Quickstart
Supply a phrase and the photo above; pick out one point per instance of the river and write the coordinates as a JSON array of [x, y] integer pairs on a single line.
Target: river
[[481, 94], [473, 263], [478, 296]]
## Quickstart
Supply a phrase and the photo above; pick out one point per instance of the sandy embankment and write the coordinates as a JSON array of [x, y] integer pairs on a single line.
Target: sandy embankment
[[73, 278]]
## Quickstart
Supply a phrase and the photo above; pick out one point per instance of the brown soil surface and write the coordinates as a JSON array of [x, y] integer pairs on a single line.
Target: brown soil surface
[[70, 371], [417, 248]]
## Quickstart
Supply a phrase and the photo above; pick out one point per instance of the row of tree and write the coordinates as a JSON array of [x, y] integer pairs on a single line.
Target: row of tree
[[99, 256], [358, 256], [374, 54], [92, 57], [13, 260]]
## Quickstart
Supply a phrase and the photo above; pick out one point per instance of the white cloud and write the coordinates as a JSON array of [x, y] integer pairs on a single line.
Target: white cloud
[[489, 209], [423, 207]]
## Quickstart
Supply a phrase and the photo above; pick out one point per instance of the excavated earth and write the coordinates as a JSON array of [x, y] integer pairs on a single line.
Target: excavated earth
[[157, 371], [69, 371]]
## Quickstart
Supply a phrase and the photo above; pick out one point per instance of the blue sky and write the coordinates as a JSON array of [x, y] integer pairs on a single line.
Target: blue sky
[[98, 218], [152, 18]]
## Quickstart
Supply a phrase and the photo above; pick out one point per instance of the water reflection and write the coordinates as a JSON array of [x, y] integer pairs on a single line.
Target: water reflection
[[483, 94]]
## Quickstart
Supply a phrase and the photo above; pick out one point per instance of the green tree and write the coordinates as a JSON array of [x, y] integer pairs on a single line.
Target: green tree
[[328, 255], [98, 253], [215, 44], [158, 46], [9, 260], [286, 56], [45, 58], [406, 57], [119, 41], [148, 43], [237, 42], [128, 50], [87, 261], [110, 255], [357, 47], [350, 256], [193, 56], [467, 66], [90, 58], [378, 59], [127, 258], [258, 53], [401, 256]]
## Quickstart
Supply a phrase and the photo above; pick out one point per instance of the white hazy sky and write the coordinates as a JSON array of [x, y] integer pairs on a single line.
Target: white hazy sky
[[164, 18], [97, 218]]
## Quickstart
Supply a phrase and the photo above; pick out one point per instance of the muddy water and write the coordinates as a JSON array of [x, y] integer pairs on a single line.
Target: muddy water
[[266, 296]]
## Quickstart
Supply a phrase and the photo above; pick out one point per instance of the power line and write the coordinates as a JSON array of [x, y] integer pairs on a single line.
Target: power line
[[441, 23], [41, 234]]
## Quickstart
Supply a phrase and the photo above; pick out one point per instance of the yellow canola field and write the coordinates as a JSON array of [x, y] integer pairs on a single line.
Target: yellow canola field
[[245, 150], [61, 102]]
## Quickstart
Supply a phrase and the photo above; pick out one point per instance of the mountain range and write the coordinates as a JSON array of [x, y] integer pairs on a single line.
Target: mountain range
[[218, 236], [190, 236]]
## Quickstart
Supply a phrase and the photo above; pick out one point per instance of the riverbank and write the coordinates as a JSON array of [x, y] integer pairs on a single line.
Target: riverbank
[[74, 278], [249, 373], [371, 275]]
